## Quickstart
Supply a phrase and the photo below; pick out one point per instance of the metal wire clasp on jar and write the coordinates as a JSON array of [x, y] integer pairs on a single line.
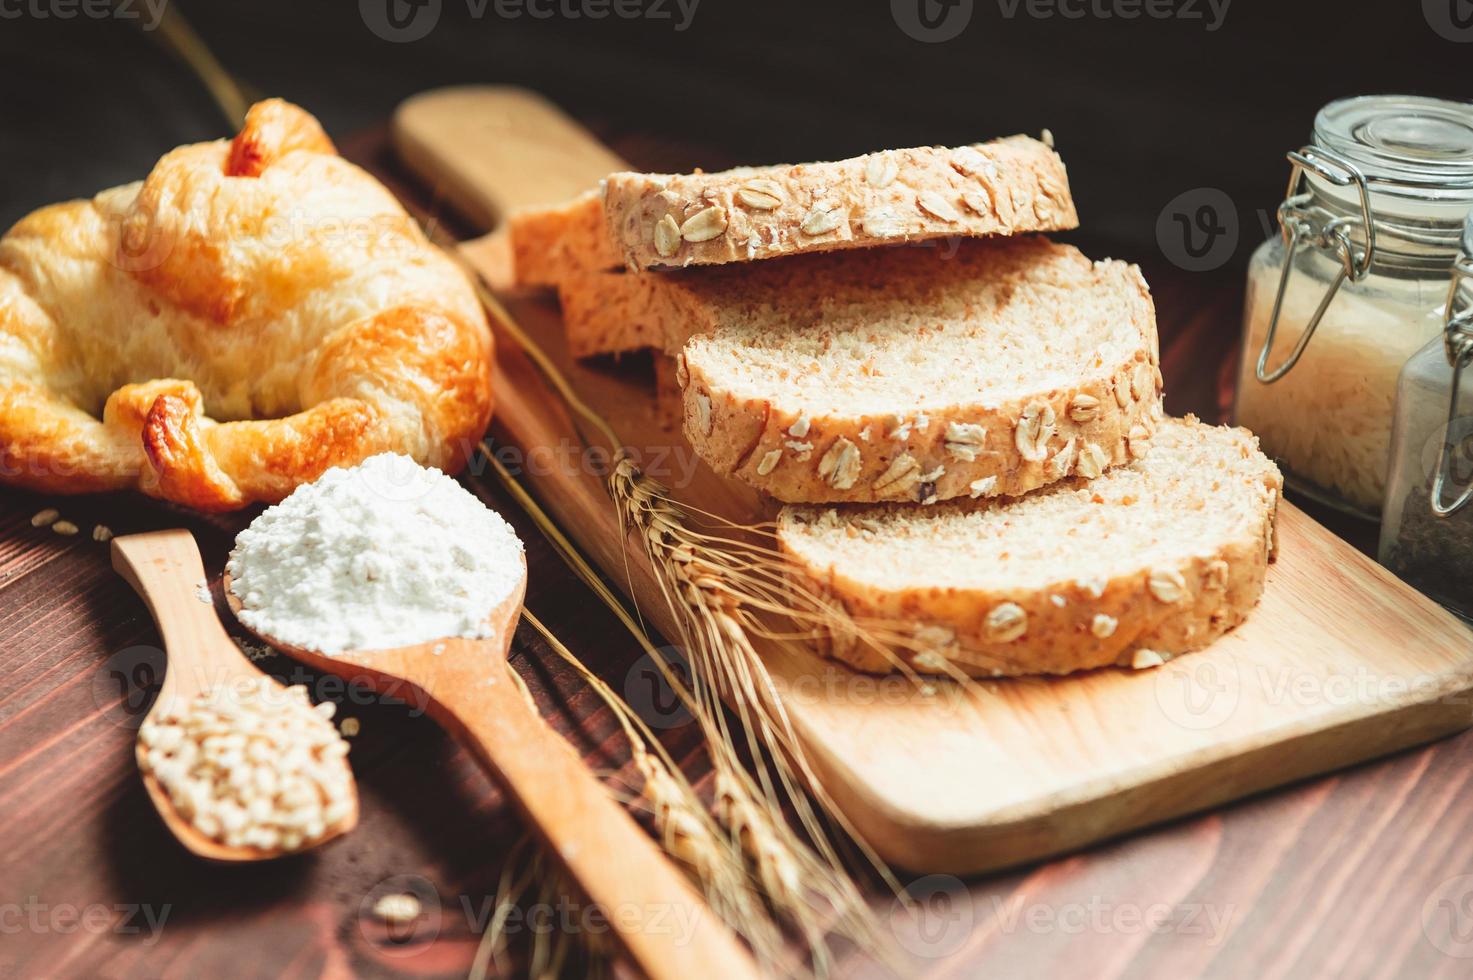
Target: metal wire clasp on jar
[[1368, 231]]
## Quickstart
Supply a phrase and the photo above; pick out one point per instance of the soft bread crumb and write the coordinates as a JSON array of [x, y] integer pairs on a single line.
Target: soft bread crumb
[[863, 334], [1069, 538]]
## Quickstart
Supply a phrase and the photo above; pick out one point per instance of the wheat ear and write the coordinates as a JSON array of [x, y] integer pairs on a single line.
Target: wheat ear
[[754, 821], [685, 828]]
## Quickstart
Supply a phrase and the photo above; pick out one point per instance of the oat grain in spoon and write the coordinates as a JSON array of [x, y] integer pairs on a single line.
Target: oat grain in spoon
[[239, 767]]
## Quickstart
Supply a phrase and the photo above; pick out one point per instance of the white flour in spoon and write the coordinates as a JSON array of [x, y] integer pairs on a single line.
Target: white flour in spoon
[[385, 554]]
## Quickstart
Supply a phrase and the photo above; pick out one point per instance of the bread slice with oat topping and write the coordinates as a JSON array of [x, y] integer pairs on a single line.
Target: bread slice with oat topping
[[1148, 561], [548, 244], [1005, 187], [914, 374]]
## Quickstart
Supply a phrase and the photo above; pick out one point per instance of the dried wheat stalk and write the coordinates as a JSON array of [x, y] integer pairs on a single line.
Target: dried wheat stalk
[[751, 811], [720, 593], [687, 831], [530, 876]]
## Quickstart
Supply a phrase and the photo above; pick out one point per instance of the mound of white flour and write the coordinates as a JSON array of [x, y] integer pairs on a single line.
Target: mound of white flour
[[385, 554]]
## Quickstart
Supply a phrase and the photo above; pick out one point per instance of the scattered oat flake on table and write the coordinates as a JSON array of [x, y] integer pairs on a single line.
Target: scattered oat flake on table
[[102, 532], [397, 909], [45, 518], [350, 727], [65, 528]]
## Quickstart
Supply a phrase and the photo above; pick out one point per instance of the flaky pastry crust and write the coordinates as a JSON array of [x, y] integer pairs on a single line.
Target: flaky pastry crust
[[255, 311]]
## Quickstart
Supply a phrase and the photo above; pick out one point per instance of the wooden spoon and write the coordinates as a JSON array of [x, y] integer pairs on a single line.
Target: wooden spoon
[[466, 685], [164, 567]]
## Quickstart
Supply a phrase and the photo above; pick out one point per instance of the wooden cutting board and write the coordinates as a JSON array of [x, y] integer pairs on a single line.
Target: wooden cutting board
[[1340, 663]]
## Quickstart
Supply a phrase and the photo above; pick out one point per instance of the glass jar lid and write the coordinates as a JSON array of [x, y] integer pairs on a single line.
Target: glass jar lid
[[1419, 145], [1416, 153]]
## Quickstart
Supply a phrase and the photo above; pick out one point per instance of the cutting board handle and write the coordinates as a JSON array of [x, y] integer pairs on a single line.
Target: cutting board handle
[[490, 149]]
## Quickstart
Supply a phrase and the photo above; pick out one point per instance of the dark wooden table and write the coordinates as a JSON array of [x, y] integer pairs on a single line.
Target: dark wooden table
[[1366, 873]]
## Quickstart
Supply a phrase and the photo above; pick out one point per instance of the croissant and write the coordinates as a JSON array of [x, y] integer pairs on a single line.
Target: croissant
[[254, 312]]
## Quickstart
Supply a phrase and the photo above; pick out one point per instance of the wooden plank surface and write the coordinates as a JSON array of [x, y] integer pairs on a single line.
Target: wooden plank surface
[[1360, 874]]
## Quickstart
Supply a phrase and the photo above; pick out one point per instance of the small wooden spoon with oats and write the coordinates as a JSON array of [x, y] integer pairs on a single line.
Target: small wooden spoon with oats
[[466, 685], [164, 567]]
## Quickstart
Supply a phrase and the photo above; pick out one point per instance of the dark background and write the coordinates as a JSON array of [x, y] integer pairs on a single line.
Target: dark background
[[1330, 877], [1142, 109]]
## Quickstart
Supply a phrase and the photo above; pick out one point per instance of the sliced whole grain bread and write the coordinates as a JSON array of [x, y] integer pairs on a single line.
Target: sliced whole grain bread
[[669, 407], [617, 312], [549, 244], [916, 373], [1148, 561], [1005, 187]]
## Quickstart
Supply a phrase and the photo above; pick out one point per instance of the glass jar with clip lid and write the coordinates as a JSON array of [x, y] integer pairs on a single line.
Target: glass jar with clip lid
[[1369, 229], [1427, 526]]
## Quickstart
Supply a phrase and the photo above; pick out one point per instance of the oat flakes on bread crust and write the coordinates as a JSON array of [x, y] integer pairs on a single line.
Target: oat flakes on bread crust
[[1148, 561], [255, 311], [1005, 187]]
